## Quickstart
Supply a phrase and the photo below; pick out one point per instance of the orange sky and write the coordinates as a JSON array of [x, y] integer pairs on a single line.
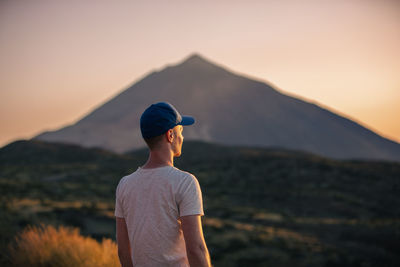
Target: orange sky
[[61, 59]]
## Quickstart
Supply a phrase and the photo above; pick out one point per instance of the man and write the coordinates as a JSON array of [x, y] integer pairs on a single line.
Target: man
[[158, 207]]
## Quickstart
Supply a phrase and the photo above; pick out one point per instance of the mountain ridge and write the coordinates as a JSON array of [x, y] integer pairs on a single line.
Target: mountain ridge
[[257, 200]]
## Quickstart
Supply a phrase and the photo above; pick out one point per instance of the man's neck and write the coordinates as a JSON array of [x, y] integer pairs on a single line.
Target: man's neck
[[159, 158]]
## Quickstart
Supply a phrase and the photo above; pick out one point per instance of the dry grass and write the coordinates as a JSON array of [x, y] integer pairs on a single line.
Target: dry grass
[[48, 246]]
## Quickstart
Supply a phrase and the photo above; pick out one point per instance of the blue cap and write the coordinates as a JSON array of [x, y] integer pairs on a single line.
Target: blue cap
[[159, 118]]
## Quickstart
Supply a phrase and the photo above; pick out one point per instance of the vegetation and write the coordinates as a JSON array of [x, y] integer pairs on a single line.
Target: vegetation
[[263, 206], [62, 247]]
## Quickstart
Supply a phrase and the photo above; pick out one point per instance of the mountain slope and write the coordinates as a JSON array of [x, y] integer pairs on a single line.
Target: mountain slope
[[229, 109]]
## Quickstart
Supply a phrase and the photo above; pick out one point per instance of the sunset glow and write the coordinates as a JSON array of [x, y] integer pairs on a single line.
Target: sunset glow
[[61, 59]]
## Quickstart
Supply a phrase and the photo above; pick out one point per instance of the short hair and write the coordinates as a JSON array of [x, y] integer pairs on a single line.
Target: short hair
[[154, 142]]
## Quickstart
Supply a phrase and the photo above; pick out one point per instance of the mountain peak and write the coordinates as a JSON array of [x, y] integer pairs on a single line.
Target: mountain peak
[[196, 59], [196, 62]]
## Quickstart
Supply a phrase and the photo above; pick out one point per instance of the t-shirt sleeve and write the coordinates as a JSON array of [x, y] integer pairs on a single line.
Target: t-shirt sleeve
[[118, 201], [190, 200]]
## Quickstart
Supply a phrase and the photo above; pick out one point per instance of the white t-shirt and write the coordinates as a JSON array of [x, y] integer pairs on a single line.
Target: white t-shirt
[[151, 201]]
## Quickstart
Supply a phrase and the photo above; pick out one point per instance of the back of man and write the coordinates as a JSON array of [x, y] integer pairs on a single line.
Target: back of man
[[151, 201], [158, 207]]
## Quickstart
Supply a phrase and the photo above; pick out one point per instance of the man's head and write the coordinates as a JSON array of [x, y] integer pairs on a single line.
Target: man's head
[[161, 123]]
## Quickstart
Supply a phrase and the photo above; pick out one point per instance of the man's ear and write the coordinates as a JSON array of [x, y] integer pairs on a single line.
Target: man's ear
[[170, 135]]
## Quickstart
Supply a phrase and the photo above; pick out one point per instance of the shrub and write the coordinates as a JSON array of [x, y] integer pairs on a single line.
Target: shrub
[[48, 246]]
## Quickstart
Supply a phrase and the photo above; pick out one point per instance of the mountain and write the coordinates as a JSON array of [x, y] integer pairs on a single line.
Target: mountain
[[229, 109]]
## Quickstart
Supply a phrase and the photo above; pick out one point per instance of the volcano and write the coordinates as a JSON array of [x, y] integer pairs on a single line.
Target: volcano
[[229, 109]]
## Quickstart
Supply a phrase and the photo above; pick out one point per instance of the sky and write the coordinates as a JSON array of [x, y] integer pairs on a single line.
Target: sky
[[61, 59]]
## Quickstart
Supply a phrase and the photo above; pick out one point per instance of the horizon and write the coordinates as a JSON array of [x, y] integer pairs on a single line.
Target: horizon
[[72, 65]]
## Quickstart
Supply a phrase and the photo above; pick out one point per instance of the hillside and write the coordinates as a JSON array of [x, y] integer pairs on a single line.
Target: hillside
[[230, 109], [263, 206]]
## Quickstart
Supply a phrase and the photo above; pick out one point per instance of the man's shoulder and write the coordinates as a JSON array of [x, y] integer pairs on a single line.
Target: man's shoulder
[[184, 179], [170, 173], [182, 174], [125, 178]]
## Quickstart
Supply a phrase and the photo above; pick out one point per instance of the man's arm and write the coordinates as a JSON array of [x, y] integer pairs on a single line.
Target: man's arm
[[196, 247], [124, 248]]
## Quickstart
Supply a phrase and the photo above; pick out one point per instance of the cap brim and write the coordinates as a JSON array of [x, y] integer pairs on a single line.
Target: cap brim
[[187, 120]]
